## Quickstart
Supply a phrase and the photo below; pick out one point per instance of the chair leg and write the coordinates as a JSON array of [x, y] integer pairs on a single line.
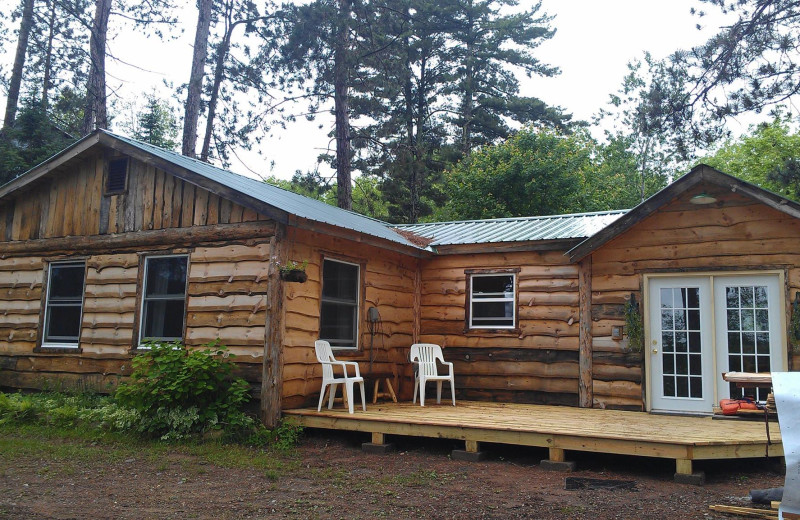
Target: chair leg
[[416, 389], [349, 393], [453, 390], [363, 399], [422, 391], [332, 395], [321, 397], [438, 392]]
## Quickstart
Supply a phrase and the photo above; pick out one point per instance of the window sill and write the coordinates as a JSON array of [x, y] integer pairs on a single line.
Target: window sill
[[493, 332], [58, 349]]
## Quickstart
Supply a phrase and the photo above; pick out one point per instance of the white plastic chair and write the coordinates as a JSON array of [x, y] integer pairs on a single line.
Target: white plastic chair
[[325, 356], [425, 356]]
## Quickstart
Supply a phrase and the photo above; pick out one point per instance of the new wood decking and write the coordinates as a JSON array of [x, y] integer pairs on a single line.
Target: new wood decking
[[558, 428]]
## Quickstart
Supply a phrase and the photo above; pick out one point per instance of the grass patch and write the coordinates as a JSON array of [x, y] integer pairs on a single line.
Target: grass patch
[[79, 430]]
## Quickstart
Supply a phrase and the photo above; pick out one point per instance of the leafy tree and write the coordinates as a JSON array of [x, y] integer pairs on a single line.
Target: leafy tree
[[489, 43], [640, 118], [154, 123], [532, 173], [766, 157], [32, 139], [542, 172]]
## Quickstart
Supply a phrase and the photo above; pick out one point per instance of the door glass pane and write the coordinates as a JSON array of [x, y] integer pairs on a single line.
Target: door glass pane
[[748, 334], [680, 335]]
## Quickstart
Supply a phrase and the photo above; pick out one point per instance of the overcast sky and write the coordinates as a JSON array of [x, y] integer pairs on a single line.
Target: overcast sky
[[594, 41]]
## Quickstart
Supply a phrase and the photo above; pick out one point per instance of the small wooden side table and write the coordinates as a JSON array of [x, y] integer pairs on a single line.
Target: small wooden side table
[[384, 377]]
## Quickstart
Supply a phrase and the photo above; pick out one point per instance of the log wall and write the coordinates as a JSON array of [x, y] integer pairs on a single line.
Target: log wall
[[227, 275], [388, 285], [734, 234], [538, 363]]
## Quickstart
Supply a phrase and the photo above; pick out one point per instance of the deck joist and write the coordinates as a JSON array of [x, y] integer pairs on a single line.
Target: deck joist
[[559, 428]]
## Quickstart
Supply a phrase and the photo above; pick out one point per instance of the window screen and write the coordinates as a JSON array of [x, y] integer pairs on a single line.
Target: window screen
[[492, 301], [63, 310], [164, 298], [339, 309]]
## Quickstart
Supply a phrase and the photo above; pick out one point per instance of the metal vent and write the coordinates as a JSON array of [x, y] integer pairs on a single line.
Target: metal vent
[[117, 170]]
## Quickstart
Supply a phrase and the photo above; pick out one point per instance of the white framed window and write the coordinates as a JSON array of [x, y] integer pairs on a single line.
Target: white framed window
[[63, 309], [163, 311], [492, 301], [338, 317]]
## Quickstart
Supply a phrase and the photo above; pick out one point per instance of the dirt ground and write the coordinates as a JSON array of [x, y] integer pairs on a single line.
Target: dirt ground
[[330, 477]]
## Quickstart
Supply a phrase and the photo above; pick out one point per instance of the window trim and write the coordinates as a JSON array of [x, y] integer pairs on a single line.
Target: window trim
[[469, 326], [140, 345], [45, 319], [359, 297]]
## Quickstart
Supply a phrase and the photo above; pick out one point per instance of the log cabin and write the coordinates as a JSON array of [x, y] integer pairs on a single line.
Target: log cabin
[[114, 242]]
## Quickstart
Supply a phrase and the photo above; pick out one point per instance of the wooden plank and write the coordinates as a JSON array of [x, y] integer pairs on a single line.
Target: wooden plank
[[200, 207], [166, 202], [156, 199], [187, 204]]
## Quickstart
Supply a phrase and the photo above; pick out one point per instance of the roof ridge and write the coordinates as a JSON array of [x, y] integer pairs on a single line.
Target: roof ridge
[[520, 218]]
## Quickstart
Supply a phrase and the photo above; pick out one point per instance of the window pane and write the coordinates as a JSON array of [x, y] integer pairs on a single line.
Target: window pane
[[66, 282], [492, 286], [340, 281], [166, 276], [64, 323], [337, 324], [163, 319]]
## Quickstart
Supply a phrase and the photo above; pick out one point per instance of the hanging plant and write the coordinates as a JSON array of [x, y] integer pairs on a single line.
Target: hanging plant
[[634, 325], [794, 325], [293, 271]]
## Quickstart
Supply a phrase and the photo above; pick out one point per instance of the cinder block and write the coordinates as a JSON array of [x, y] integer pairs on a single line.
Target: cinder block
[[468, 456], [369, 447], [695, 479]]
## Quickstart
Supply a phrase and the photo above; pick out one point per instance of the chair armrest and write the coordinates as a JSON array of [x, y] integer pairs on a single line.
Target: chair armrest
[[344, 365], [449, 365]]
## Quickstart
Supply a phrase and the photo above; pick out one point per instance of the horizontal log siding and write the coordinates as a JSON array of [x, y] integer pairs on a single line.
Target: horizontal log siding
[[71, 203], [388, 285], [536, 364], [734, 234], [226, 301]]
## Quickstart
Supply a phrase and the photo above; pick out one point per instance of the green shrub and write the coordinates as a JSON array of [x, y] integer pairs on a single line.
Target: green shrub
[[179, 392]]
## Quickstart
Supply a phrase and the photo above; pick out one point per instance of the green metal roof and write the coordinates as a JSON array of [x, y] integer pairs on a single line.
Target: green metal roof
[[516, 229]]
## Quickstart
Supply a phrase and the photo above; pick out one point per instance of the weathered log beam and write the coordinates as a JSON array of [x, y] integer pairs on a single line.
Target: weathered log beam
[[139, 239], [585, 341], [272, 367]]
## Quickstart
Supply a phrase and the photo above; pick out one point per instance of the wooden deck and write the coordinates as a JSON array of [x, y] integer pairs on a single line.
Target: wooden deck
[[558, 428]]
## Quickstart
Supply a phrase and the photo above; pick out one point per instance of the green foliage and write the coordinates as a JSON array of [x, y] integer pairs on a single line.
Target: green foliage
[[153, 123], [33, 138], [794, 324], [634, 324], [765, 157], [539, 172], [179, 392]]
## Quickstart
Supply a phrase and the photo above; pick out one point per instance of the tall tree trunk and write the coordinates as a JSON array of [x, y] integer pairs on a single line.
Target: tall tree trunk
[[341, 84], [19, 63], [194, 92], [219, 72], [408, 92], [95, 115], [48, 59], [469, 87]]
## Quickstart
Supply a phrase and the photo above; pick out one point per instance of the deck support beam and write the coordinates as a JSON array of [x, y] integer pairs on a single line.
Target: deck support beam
[[684, 474], [471, 453], [378, 445], [557, 461]]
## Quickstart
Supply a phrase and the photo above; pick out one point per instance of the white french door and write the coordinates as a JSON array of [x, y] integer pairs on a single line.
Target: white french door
[[702, 326]]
